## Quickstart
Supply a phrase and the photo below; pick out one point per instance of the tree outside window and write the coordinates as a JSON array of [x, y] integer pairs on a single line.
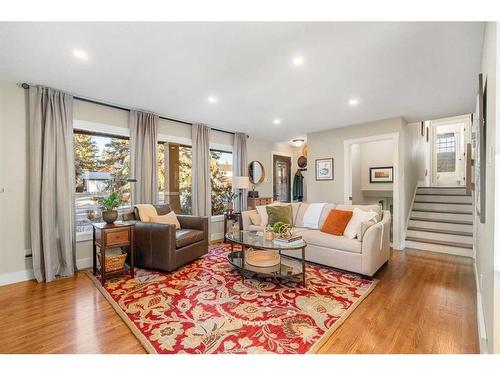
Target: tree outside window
[[99, 158]]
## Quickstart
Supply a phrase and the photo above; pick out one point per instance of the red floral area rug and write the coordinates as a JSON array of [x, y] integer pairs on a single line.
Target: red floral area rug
[[205, 307]]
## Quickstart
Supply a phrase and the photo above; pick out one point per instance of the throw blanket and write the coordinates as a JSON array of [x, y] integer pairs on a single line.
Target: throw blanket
[[312, 215], [145, 211]]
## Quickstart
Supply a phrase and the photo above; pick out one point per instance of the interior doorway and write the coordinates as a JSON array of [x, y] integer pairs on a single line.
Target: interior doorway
[[448, 140], [363, 157], [282, 179]]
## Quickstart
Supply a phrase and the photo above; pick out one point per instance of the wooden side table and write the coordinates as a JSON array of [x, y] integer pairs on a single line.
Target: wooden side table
[[108, 236], [235, 216]]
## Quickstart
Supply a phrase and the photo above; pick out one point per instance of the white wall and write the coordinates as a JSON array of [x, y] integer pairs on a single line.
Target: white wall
[[484, 233], [375, 154], [330, 143], [14, 147], [14, 236]]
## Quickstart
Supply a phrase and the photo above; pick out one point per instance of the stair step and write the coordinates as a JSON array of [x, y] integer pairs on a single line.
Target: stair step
[[425, 224], [441, 191], [423, 214], [442, 231], [443, 198], [437, 242], [443, 207], [438, 236], [442, 211], [444, 221]]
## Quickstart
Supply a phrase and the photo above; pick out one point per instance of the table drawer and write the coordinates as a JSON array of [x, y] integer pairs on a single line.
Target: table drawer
[[117, 237]]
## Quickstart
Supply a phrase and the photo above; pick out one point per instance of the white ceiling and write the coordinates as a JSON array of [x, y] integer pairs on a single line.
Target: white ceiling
[[417, 70]]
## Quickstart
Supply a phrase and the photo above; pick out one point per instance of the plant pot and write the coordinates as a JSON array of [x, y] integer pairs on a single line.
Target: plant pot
[[110, 216]]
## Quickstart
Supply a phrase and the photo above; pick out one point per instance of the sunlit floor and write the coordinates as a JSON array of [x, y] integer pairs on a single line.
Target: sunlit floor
[[425, 303]]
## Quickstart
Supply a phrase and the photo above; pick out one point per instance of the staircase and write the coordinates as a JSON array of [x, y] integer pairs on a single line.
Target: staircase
[[441, 221]]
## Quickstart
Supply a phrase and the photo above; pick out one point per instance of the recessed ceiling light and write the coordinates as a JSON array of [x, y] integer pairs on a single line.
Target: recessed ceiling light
[[298, 142], [353, 102], [277, 121], [80, 54], [298, 60], [212, 99]]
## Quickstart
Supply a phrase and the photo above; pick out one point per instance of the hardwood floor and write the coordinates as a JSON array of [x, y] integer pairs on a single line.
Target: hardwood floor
[[425, 303]]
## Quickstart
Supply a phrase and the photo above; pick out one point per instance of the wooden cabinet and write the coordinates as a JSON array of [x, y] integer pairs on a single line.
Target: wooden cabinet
[[108, 236], [253, 202]]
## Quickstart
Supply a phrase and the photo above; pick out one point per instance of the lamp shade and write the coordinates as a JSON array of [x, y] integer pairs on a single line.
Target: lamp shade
[[241, 182]]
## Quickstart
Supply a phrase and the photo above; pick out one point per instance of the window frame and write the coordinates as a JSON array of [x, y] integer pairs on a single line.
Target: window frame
[[87, 235]]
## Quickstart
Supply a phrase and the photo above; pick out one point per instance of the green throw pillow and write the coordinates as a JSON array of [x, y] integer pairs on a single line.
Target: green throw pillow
[[279, 213]]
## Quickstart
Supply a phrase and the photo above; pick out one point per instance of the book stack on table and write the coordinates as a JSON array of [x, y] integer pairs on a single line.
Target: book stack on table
[[294, 240]]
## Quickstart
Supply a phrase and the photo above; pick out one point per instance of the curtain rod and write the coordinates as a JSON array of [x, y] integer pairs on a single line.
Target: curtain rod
[[26, 86]]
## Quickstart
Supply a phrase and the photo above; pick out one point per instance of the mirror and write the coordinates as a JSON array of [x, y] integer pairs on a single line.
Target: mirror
[[256, 172]]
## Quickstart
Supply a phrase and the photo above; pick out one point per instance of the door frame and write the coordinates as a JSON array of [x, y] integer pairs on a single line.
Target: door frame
[[280, 153], [433, 125], [397, 187]]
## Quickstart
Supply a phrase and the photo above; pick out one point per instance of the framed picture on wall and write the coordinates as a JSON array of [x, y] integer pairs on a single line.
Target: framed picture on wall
[[381, 175], [324, 169]]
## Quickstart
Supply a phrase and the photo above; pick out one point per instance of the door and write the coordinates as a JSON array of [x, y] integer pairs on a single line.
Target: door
[[281, 178], [449, 155]]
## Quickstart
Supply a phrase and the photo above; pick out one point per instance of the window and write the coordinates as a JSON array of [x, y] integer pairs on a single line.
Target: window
[[221, 173], [446, 156], [98, 158], [174, 176]]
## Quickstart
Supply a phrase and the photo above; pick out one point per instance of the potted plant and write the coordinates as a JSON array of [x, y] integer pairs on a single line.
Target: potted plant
[[228, 198], [109, 205]]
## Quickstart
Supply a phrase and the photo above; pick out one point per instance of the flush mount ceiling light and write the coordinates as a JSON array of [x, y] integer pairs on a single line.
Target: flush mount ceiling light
[[298, 142], [353, 102], [80, 54], [277, 121], [298, 60], [212, 99]]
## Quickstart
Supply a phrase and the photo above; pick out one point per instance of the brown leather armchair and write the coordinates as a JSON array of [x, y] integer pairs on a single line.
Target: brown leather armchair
[[162, 247]]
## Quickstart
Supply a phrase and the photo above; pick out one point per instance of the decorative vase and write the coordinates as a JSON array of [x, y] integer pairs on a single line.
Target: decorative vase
[[110, 216]]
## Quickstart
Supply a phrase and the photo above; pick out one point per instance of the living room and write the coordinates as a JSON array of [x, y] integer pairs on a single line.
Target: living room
[[243, 188]]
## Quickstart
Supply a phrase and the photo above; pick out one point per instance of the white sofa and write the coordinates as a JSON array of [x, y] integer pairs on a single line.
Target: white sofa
[[363, 256]]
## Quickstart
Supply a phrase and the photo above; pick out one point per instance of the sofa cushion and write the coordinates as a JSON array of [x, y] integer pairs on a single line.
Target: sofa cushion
[[185, 237], [277, 214], [365, 207], [169, 218], [255, 219], [324, 214], [299, 222], [318, 238], [358, 218], [336, 222]]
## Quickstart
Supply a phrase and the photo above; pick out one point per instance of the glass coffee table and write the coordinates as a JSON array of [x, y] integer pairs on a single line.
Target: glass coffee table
[[286, 267]]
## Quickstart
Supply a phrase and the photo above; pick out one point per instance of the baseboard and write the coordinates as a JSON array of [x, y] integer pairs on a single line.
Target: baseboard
[[25, 275], [481, 326], [216, 236], [84, 263], [16, 277]]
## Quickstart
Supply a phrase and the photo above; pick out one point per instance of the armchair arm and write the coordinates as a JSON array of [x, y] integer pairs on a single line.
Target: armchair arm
[[193, 222], [245, 218], [155, 244]]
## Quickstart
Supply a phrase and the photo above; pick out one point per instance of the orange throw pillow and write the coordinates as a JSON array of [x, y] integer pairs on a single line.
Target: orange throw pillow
[[336, 222]]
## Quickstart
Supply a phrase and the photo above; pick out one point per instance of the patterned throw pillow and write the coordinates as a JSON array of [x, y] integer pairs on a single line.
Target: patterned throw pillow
[[279, 213]]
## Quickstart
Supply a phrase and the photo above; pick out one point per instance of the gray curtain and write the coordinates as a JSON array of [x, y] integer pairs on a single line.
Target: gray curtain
[[52, 180], [201, 189], [143, 163], [240, 167]]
